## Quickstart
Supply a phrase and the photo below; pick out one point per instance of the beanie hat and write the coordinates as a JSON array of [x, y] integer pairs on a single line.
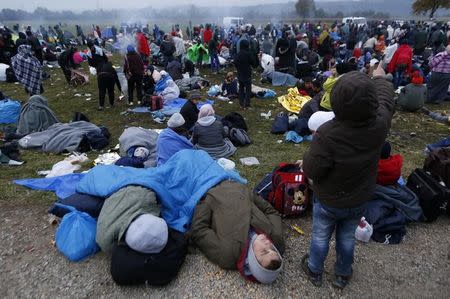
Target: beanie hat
[[147, 234], [130, 49], [385, 151], [176, 120], [77, 58], [373, 61], [417, 78], [260, 273], [319, 118], [195, 95]]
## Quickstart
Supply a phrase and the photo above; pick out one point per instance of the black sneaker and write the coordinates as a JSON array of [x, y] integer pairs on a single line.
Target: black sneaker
[[340, 281], [316, 279]]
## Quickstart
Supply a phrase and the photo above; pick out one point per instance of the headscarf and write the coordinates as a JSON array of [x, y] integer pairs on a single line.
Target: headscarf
[[131, 49], [206, 110]]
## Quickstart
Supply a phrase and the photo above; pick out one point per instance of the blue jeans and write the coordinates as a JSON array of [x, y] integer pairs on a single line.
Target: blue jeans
[[215, 64], [325, 221], [398, 79]]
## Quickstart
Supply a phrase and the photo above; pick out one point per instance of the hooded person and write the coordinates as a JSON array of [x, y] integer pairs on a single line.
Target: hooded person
[[28, 70], [413, 96], [22, 40], [133, 68], [342, 166], [389, 166], [147, 234], [209, 134], [341, 68], [189, 111], [249, 239], [172, 139]]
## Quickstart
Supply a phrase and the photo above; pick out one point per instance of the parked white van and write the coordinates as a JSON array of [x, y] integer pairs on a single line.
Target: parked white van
[[233, 21], [360, 21]]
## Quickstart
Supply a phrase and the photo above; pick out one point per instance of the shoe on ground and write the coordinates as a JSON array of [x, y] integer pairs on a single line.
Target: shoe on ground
[[101, 108], [130, 104], [315, 279], [139, 102], [340, 282]]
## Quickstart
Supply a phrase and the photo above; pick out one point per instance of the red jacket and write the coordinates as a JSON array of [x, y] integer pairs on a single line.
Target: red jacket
[[142, 44], [207, 35], [403, 55], [389, 170]]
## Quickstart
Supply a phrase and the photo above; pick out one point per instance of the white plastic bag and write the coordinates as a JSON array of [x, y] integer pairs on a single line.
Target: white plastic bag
[[226, 164], [364, 231], [249, 161], [93, 71]]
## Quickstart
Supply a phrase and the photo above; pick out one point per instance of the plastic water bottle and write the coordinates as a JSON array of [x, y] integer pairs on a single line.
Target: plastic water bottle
[[363, 231]]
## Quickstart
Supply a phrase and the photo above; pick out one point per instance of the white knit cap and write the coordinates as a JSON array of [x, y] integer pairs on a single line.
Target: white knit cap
[[260, 273], [147, 234], [318, 119], [176, 120], [373, 61]]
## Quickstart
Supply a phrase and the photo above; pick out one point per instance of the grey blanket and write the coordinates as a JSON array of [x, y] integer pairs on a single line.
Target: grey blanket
[[35, 116], [224, 151], [59, 137], [186, 84], [136, 136]]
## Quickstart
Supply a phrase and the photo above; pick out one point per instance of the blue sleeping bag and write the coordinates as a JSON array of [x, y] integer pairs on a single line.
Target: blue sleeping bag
[[9, 111]]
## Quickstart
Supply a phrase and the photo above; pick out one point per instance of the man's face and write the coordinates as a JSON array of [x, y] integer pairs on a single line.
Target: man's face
[[264, 250], [308, 85]]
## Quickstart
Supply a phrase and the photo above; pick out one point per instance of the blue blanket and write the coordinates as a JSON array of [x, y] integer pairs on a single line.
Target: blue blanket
[[173, 106], [64, 186], [179, 184], [168, 144]]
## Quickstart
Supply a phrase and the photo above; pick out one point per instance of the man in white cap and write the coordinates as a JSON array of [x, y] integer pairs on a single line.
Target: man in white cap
[[172, 139]]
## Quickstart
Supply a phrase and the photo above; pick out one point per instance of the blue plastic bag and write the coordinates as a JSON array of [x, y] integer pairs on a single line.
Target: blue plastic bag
[[75, 236], [9, 111]]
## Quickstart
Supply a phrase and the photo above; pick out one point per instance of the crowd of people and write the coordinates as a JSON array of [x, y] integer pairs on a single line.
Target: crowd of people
[[347, 69]]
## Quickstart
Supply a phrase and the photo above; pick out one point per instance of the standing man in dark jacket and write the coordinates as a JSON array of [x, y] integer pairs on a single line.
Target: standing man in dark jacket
[[35, 46], [106, 79], [167, 49], [243, 63], [342, 164], [133, 68]]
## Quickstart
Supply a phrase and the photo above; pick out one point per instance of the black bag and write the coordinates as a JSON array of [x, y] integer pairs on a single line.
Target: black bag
[[280, 124], [78, 116], [239, 137], [438, 163], [234, 120], [433, 197], [129, 267]]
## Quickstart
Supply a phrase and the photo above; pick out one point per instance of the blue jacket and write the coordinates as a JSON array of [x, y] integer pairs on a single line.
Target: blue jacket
[[179, 184]]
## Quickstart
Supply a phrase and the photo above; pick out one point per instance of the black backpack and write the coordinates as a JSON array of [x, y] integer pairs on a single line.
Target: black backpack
[[433, 197], [10, 75], [234, 120], [239, 137]]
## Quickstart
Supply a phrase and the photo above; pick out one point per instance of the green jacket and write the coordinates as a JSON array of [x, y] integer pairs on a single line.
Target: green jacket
[[222, 221], [119, 210]]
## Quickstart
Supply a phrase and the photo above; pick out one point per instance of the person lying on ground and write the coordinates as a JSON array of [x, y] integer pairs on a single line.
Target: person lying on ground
[[237, 229], [172, 139], [342, 164]]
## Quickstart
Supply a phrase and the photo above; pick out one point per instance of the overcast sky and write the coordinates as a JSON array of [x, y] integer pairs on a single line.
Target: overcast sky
[[79, 5]]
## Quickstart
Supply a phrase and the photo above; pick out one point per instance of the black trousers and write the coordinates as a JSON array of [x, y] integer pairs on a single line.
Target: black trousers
[[245, 92], [67, 74], [105, 83], [135, 81]]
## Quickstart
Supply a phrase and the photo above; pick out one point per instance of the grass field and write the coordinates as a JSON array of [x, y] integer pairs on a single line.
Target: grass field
[[64, 103]]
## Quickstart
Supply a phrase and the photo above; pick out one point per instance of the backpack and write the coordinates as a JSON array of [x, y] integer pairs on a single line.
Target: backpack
[[234, 120], [433, 197], [239, 137], [280, 124], [290, 194], [438, 163], [153, 102], [10, 75]]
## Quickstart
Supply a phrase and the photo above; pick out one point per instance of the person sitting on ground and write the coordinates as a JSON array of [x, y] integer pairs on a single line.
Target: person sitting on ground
[[237, 229], [389, 166], [230, 86], [106, 79], [133, 69], [174, 68], [172, 140], [440, 77], [22, 40], [148, 82], [329, 84], [305, 87], [342, 166], [412, 96], [189, 111], [209, 135]]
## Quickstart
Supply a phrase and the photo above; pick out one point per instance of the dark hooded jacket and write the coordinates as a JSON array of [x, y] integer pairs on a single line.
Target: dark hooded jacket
[[244, 62], [343, 156]]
